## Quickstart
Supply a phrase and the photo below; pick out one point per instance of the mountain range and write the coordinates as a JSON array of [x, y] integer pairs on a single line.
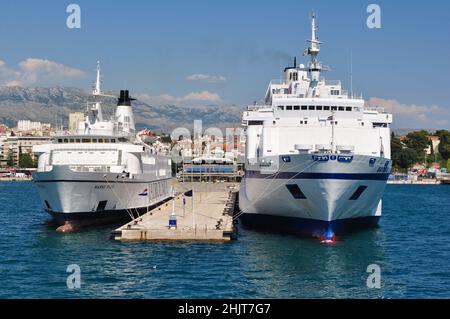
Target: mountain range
[[53, 105]]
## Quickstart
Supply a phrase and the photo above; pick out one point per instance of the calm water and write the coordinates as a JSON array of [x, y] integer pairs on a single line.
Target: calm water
[[411, 246]]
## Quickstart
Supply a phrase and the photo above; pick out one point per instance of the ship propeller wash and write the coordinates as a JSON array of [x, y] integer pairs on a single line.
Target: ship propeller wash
[[104, 171], [317, 160]]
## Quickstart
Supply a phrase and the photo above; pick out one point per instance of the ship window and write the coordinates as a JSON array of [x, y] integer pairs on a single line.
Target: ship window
[[304, 107], [100, 140], [356, 109], [66, 140], [295, 191], [348, 109], [59, 140], [306, 122], [255, 122], [301, 122], [113, 140], [334, 108], [319, 107], [341, 108], [334, 92], [280, 107], [358, 192], [296, 107], [94, 140], [72, 140], [311, 107], [289, 108], [86, 140], [326, 108], [77, 140]]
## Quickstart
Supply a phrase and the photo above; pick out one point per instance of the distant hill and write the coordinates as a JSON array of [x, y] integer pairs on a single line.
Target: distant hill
[[53, 105]]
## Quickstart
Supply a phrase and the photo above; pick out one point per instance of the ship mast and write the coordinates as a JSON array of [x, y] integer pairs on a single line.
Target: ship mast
[[313, 50], [96, 92]]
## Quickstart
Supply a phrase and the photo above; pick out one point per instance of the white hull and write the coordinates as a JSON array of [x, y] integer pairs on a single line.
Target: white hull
[[81, 196], [327, 188]]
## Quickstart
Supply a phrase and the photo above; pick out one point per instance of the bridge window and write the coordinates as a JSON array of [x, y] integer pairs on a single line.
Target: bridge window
[[280, 107], [289, 108], [348, 109], [296, 107], [304, 107], [334, 92], [334, 108], [255, 122], [86, 140], [326, 108], [311, 107], [341, 108], [319, 107]]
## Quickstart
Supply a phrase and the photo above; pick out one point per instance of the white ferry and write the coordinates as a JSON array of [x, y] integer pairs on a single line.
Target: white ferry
[[102, 173], [317, 160]]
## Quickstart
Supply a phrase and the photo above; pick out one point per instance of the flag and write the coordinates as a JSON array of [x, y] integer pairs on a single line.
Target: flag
[[188, 193], [144, 193]]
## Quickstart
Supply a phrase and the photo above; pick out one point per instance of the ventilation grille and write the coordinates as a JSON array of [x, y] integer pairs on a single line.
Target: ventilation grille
[[358, 192], [296, 191]]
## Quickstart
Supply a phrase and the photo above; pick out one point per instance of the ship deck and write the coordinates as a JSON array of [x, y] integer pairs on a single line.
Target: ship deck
[[208, 218]]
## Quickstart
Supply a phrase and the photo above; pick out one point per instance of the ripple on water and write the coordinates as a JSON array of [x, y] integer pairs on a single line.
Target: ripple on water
[[410, 246]]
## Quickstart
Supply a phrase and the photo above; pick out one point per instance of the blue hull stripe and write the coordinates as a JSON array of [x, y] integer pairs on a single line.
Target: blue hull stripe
[[342, 176]]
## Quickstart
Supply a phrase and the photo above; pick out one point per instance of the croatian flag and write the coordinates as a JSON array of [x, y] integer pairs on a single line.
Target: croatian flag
[[144, 193]]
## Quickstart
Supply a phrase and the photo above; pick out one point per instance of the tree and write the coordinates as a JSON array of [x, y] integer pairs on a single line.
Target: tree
[[406, 158], [444, 144], [418, 141], [10, 161], [25, 160]]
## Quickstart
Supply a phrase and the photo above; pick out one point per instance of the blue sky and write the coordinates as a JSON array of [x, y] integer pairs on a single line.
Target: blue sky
[[225, 52]]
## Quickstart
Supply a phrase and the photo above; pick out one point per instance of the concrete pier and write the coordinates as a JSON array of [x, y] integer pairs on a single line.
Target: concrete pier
[[210, 218]]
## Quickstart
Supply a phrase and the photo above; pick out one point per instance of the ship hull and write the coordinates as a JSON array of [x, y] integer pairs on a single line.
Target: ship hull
[[84, 199], [306, 194]]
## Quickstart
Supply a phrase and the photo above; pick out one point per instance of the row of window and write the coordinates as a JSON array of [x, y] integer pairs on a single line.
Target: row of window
[[317, 108], [86, 140]]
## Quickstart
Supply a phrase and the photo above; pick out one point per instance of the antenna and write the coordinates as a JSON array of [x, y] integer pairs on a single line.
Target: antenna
[[351, 74]]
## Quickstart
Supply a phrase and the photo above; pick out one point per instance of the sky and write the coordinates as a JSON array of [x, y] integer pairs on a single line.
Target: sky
[[199, 52]]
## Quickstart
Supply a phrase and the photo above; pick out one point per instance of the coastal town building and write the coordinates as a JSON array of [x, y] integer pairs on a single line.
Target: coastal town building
[[74, 119], [13, 146]]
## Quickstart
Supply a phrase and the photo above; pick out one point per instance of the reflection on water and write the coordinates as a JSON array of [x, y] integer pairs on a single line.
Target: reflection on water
[[411, 247], [287, 266]]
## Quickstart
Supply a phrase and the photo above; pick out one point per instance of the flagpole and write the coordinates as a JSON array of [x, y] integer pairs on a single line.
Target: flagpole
[[193, 213]]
